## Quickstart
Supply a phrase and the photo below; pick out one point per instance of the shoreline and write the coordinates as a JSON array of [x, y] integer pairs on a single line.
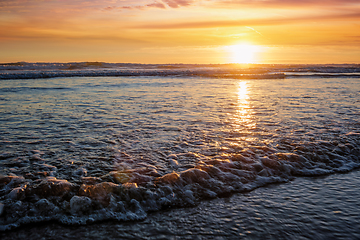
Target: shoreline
[[306, 208]]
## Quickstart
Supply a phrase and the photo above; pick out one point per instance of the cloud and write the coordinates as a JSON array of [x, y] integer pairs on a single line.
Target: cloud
[[177, 3], [233, 4], [157, 4], [282, 3], [81, 5], [29, 7], [254, 22]]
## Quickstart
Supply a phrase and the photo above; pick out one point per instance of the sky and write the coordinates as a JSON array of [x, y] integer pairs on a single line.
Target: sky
[[180, 31]]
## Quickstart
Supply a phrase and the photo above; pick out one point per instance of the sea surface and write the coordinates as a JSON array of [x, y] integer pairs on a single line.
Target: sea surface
[[179, 151]]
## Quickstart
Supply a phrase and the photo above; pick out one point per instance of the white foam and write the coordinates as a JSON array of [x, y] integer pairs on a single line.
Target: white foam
[[91, 69]]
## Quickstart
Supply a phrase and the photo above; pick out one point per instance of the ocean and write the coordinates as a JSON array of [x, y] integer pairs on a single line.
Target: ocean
[[178, 151]]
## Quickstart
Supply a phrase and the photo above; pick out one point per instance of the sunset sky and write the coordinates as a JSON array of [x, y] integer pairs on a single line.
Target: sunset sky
[[180, 31]]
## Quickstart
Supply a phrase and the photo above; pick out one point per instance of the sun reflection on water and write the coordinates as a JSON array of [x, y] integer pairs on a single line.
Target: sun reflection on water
[[243, 92], [243, 111], [241, 117]]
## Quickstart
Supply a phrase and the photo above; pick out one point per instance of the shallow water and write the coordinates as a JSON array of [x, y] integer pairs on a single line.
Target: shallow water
[[89, 149], [306, 208]]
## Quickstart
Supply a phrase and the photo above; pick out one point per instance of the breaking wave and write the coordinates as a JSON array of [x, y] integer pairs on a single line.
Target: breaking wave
[[24, 70]]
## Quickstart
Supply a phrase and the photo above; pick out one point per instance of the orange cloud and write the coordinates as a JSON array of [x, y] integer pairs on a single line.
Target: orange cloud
[[141, 7], [177, 3], [253, 22], [284, 3], [155, 4]]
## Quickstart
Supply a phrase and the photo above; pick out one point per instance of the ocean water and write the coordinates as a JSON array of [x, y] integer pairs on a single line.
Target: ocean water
[[324, 207], [84, 143]]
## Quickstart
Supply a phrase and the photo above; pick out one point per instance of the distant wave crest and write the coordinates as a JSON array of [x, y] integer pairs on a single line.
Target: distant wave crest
[[24, 70]]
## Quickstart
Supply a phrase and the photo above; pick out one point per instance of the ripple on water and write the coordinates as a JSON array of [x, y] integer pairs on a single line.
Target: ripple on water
[[92, 149]]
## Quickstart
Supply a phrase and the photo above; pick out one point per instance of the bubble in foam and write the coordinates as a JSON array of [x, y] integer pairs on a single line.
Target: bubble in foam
[[17, 193], [51, 187], [101, 191], [121, 177], [80, 205], [169, 178], [130, 185], [45, 207]]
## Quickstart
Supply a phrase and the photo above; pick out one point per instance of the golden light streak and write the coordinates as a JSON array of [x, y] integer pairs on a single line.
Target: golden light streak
[[242, 100]]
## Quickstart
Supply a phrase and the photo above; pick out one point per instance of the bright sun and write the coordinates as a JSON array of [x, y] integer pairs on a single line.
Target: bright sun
[[243, 53]]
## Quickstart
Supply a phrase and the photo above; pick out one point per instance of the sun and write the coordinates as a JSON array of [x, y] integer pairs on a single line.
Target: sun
[[243, 53]]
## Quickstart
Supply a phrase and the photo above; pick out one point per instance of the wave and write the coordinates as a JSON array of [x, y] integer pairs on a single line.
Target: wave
[[126, 195], [25, 70]]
